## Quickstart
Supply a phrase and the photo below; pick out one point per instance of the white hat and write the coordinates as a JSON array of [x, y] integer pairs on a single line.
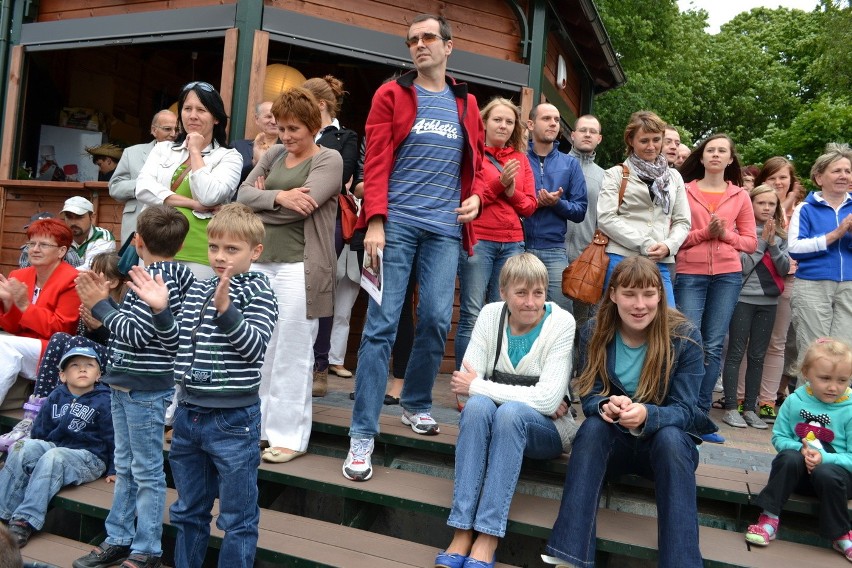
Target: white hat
[[78, 205]]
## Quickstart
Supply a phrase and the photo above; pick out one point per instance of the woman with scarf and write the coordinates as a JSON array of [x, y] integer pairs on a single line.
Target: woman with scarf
[[709, 269], [652, 219], [509, 195]]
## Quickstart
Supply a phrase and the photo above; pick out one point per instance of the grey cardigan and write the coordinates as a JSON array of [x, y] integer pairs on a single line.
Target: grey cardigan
[[324, 181]]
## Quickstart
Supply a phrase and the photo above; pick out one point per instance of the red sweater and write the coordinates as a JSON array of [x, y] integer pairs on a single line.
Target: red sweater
[[499, 219], [702, 254], [57, 307], [392, 114]]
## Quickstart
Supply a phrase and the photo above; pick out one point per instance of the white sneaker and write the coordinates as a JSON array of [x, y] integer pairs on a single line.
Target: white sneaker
[[421, 422], [719, 387], [358, 466]]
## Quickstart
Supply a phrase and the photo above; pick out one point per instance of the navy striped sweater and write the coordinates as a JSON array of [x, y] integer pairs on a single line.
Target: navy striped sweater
[[218, 356], [137, 358]]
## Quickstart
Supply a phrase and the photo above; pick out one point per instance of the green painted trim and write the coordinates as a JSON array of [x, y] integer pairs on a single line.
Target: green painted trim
[[554, 98], [538, 47], [249, 19]]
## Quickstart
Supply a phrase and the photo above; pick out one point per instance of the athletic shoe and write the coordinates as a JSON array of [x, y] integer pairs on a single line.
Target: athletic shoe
[[718, 387], [142, 561], [358, 466], [752, 419], [421, 422], [733, 418], [713, 438], [21, 530], [103, 556], [21, 431], [767, 413]]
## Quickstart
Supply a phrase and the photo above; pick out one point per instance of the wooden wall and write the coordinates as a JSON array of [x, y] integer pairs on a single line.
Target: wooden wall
[[486, 27], [572, 94], [53, 10]]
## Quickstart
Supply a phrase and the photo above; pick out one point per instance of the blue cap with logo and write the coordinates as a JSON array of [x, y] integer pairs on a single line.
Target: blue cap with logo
[[78, 352]]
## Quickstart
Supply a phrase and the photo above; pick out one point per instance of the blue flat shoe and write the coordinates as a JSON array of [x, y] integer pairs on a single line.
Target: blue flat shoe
[[713, 438], [474, 563], [444, 560]]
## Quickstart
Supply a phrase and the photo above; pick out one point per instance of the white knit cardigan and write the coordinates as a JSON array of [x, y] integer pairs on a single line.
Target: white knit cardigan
[[549, 359]]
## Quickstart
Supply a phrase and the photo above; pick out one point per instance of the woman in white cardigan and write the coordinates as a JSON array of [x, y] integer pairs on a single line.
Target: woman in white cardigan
[[517, 406]]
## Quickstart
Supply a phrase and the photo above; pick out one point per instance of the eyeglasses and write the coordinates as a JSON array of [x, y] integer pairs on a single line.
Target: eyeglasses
[[37, 245], [585, 130], [428, 39], [201, 85], [166, 128]]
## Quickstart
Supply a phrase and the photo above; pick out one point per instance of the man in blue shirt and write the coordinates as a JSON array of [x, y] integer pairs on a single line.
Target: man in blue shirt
[[561, 193]]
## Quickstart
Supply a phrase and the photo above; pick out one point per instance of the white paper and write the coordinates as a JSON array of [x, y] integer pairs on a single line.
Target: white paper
[[373, 277]]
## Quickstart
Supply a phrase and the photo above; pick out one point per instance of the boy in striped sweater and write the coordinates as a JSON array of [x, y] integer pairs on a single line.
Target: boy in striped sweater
[[140, 375], [219, 343]]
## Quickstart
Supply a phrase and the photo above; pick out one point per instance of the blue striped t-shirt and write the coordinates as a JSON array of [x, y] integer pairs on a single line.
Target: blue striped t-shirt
[[425, 185]]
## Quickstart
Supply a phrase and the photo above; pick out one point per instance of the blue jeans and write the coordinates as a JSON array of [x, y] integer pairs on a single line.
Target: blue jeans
[[709, 302], [437, 260], [479, 283], [214, 454], [492, 443], [668, 458], [555, 259], [614, 259], [136, 516], [35, 471]]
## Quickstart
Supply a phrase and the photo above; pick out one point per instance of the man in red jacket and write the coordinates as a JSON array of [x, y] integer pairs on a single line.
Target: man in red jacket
[[425, 144]]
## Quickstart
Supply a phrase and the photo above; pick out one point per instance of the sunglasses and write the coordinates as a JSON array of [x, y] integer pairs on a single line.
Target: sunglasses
[[428, 39], [201, 85]]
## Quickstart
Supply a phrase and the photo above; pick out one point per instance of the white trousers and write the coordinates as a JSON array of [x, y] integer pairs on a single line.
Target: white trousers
[[288, 368], [18, 355], [345, 296]]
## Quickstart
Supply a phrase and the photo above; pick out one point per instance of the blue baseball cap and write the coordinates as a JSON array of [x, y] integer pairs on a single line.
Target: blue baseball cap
[[79, 352]]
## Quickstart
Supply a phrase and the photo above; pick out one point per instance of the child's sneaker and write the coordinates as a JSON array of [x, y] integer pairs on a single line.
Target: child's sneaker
[[142, 561], [752, 419], [757, 533], [21, 431], [103, 556], [843, 545], [21, 530], [358, 466], [421, 422], [733, 418], [767, 413]]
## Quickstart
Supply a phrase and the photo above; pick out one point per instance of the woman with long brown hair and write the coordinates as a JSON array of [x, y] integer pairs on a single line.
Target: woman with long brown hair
[[641, 364]]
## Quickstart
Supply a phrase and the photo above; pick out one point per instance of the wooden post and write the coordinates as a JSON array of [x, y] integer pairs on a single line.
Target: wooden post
[[259, 55], [8, 168], [229, 62], [527, 102]]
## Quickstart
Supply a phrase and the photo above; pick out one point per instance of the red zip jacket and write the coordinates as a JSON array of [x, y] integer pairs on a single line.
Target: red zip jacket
[[702, 254], [392, 114], [499, 219]]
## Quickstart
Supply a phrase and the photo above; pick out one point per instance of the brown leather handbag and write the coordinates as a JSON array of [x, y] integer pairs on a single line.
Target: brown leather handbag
[[583, 279]]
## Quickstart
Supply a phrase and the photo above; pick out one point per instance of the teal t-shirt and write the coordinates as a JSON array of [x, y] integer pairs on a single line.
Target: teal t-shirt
[[628, 363], [520, 345]]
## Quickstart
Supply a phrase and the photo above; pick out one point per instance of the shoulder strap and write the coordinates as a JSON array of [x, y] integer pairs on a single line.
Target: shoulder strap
[[494, 161], [179, 179], [625, 172], [500, 329]]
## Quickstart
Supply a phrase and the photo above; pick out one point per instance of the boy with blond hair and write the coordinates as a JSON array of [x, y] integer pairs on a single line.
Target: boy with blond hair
[[219, 343]]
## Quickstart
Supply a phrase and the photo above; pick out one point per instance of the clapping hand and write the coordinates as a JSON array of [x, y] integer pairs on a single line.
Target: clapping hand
[[768, 233], [548, 198], [19, 293], [92, 288], [507, 177], [151, 290], [221, 299]]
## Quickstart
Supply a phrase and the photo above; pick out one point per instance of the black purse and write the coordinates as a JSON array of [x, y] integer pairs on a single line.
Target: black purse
[[500, 376]]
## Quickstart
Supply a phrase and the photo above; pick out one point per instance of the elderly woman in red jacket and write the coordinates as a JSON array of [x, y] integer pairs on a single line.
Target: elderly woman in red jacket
[[36, 302]]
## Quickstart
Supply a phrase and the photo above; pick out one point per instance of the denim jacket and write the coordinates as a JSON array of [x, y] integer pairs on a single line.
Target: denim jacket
[[680, 400]]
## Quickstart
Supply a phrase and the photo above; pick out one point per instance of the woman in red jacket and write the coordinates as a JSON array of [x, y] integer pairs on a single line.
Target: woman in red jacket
[[36, 302], [709, 271], [508, 194]]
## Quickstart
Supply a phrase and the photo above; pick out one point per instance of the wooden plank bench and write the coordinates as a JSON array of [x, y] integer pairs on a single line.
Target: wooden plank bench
[[283, 537], [52, 549], [617, 532]]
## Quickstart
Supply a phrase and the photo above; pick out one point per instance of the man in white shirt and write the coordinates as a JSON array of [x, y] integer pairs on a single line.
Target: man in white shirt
[[89, 240]]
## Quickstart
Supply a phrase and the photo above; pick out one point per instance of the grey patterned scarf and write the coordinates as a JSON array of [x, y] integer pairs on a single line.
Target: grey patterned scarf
[[658, 172]]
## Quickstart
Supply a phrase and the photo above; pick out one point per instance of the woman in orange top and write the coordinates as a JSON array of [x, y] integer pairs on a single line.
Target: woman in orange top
[[36, 302], [709, 271]]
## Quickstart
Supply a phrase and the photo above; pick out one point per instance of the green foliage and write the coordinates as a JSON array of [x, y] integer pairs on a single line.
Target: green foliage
[[777, 81]]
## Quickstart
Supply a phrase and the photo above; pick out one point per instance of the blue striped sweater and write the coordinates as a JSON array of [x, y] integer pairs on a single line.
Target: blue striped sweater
[[218, 356], [137, 358]]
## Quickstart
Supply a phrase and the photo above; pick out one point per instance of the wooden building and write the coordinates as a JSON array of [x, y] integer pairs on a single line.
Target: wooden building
[[126, 59]]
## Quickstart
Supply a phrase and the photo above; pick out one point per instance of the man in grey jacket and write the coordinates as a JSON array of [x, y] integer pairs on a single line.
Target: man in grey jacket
[[122, 185]]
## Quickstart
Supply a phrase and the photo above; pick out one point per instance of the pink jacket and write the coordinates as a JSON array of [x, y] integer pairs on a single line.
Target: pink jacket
[[702, 254]]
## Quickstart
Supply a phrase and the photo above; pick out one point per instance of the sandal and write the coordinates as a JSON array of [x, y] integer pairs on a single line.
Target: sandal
[[758, 535], [846, 552], [719, 403]]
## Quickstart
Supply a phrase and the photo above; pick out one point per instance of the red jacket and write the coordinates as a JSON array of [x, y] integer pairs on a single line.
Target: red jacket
[[701, 254], [499, 219], [392, 115], [57, 308]]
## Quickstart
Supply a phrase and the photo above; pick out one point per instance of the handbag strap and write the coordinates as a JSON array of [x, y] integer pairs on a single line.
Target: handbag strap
[[494, 161], [500, 329], [625, 172], [179, 180]]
